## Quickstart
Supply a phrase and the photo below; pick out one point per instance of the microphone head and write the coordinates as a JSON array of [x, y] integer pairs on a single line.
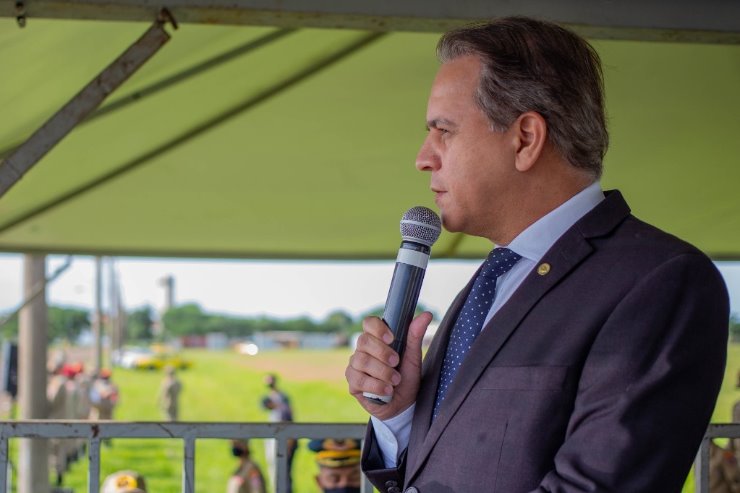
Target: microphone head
[[421, 225]]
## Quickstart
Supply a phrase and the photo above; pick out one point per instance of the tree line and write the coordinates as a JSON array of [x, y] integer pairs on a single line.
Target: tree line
[[67, 323]]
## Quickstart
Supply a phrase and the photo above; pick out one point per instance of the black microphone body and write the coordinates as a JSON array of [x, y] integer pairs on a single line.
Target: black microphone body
[[403, 294], [420, 228]]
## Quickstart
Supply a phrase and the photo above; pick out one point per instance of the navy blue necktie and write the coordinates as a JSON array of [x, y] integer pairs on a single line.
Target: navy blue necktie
[[472, 315]]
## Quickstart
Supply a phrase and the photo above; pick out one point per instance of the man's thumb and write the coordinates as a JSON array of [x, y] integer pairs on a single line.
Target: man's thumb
[[417, 329]]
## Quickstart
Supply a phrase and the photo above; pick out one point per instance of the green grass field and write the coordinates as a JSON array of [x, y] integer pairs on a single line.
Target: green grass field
[[225, 386]]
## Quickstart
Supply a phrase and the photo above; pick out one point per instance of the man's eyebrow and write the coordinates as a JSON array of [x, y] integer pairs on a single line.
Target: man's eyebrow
[[437, 122]]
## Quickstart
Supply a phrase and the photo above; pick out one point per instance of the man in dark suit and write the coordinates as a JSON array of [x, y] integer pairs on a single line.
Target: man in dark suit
[[586, 355]]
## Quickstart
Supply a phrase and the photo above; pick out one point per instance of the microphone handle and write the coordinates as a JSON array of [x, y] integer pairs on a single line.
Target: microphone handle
[[403, 296]]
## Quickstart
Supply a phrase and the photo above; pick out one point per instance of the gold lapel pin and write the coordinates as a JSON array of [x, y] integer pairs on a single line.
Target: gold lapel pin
[[543, 269]]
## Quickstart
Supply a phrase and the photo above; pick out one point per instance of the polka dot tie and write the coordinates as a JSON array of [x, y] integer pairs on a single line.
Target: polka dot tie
[[470, 319]]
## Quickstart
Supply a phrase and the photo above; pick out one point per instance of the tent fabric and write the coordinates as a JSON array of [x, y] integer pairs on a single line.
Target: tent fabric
[[237, 162]]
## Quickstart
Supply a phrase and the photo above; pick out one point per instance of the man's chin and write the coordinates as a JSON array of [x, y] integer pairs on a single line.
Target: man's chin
[[450, 224]]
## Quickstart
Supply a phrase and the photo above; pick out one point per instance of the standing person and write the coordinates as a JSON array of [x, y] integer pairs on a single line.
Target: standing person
[[587, 352], [56, 395], [169, 394], [103, 396], [339, 465], [247, 478], [724, 473], [280, 411]]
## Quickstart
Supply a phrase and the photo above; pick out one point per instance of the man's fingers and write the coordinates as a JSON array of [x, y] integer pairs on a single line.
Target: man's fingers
[[377, 328], [360, 382], [380, 370]]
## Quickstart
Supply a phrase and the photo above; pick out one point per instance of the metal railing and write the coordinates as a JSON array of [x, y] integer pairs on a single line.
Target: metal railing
[[96, 431]]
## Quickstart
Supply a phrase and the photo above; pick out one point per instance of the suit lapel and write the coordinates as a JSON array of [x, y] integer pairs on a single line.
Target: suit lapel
[[567, 253], [430, 370]]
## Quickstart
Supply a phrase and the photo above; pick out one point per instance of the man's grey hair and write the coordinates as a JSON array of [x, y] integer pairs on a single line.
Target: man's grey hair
[[532, 65]]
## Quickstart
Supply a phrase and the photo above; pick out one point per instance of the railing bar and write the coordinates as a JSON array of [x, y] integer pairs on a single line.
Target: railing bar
[[4, 465], [282, 464], [93, 471], [188, 466]]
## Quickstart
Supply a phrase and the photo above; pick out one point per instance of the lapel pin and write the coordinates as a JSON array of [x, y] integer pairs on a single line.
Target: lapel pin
[[543, 269]]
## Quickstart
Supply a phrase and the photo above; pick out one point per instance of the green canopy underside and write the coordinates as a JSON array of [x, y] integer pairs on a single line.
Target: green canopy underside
[[323, 168]]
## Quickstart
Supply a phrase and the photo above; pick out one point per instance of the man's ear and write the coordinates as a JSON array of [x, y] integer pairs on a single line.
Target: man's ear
[[531, 135]]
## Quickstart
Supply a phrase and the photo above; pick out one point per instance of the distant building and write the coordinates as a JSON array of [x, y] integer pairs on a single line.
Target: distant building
[[279, 339], [212, 340]]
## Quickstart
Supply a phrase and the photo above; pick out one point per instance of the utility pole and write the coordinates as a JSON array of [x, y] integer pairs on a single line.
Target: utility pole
[[97, 319], [114, 315], [168, 283], [33, 457]]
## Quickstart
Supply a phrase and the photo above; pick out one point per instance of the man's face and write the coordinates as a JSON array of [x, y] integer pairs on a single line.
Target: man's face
[[339, 477], [472, 166]]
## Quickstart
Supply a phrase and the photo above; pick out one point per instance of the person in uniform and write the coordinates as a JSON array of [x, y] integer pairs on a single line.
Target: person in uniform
[[103, 396], [169, 394], [339, 465], [124, 482], [277, 403], [56, 395], [83, 406], [724, 473], [247, 478]]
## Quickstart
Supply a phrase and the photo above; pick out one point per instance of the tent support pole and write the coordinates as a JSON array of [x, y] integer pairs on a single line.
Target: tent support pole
[[85, 102]]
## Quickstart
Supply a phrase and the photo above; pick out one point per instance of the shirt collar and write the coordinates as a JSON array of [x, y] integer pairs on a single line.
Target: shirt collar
[[536, 240]]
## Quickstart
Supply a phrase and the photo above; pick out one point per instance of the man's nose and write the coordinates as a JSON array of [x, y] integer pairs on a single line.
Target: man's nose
[[427, 159]]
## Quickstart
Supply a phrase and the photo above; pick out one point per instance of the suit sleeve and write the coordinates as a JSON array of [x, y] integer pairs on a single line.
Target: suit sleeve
[[649, 385], [374, 468]]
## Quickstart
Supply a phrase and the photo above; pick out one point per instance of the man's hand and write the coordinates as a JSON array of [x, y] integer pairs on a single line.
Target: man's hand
[[372, 367]]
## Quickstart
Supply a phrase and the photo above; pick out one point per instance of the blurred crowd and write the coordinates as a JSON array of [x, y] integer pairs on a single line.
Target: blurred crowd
[[74, 394]]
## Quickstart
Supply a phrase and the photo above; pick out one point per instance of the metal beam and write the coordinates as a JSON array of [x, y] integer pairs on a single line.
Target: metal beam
[[174, 79], [709, 21], [79, 107]]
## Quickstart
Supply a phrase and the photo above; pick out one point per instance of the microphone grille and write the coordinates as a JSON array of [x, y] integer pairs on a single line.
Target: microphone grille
[[421, 225]]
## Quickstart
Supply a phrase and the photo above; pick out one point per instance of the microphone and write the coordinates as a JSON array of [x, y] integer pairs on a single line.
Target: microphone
[[420, 228]]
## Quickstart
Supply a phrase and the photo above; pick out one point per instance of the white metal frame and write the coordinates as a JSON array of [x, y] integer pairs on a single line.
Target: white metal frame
[[96, 431]]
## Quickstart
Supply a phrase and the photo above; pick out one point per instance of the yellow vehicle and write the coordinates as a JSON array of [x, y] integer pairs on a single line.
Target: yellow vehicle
[[157, 361]]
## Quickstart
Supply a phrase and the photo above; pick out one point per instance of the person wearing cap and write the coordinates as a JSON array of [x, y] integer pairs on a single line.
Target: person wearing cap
[[339, 465], [103, 396], [124, 482], [247, 478]]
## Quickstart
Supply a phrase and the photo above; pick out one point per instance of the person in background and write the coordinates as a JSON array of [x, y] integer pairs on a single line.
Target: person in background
[[277, 403], [339, 465], [169, 394], [124, 482], [724, 473], [247, 478], [103, 396], [56, 394]]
